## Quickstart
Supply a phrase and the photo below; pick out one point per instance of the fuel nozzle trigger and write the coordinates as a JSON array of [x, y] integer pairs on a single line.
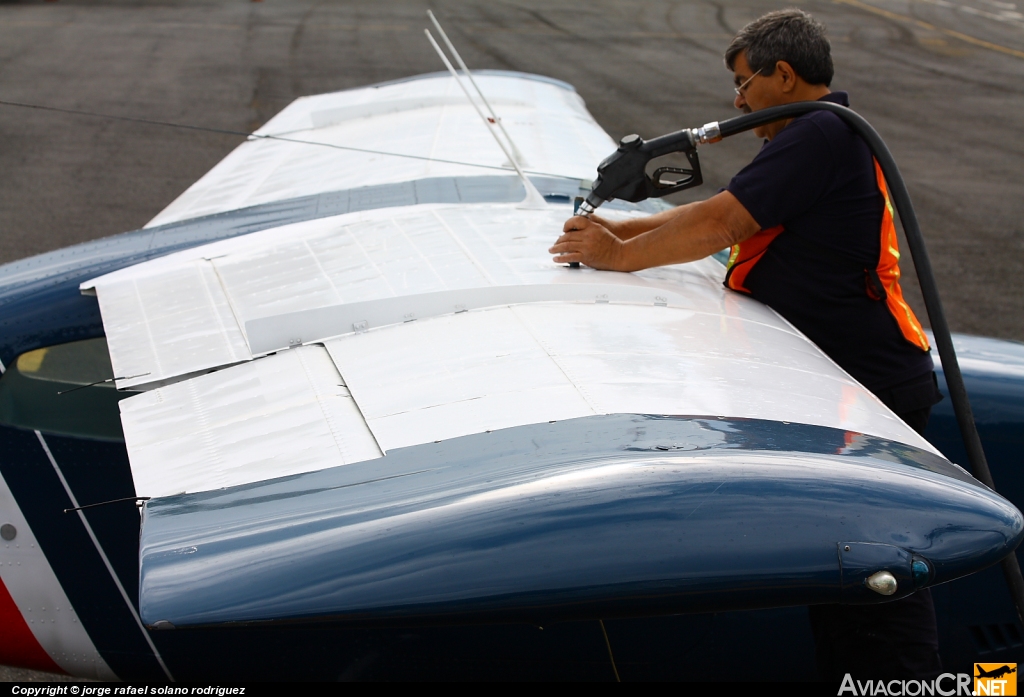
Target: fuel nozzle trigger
[[623, 174]]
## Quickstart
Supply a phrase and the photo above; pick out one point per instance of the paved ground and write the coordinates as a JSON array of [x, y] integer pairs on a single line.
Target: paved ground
[[942, 80]]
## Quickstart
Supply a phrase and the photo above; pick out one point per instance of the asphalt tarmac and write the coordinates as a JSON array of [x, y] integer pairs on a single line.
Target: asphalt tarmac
[[941, 80]]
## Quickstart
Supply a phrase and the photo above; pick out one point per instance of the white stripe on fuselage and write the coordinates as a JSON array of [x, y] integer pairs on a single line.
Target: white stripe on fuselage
[[103, 556], [41, 600]]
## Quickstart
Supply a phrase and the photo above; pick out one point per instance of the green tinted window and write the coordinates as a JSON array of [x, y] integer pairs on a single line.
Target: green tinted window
[[61, 389]]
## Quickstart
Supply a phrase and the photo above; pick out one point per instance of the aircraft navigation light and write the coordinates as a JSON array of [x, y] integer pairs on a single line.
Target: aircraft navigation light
[[881, 582]]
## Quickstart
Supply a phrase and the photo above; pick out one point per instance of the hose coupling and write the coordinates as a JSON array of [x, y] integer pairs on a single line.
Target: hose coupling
[[585, 209], [708, 133]]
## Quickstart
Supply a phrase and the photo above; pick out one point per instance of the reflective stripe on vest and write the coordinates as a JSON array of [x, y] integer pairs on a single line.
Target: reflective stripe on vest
[[889, 273], [745, 255]]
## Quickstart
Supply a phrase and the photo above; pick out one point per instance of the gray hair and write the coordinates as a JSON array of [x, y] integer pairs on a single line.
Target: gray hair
[[785, 35]]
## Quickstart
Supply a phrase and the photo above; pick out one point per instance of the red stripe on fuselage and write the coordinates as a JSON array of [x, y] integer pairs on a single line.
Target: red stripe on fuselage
[[18, 646]]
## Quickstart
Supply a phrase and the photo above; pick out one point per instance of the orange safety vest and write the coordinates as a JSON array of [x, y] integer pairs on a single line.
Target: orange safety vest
[[881, 283]]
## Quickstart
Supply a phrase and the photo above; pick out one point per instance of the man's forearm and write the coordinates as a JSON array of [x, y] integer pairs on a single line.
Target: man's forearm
[[683, 234], [695, 231], [632, 227]]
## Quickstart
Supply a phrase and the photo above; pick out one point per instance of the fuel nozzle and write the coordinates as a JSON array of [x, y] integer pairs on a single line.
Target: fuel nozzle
[[623, 174]]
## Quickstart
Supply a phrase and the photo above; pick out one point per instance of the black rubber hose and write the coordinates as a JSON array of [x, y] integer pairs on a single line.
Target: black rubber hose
[[925, 276]]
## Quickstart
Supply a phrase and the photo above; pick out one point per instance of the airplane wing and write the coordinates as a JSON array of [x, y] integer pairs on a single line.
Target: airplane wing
[[428, 122], [397, 406]]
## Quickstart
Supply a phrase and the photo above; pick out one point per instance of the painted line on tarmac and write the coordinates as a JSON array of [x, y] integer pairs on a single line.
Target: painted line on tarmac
[[925, 25]]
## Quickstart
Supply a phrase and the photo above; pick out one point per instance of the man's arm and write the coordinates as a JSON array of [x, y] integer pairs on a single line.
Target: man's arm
[[695, 231], [631, 227]]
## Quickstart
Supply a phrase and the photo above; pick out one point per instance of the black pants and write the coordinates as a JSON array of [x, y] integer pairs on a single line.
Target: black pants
[[878, 642], [889, 640]]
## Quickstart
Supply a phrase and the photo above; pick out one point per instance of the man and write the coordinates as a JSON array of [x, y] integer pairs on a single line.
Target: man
[[811, 230]]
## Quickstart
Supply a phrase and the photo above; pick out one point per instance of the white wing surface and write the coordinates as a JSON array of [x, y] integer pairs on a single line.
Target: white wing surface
[[428, 119], [335, 340]]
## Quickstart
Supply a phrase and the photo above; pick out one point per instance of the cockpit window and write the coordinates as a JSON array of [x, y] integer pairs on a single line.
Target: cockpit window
[[65, 389]]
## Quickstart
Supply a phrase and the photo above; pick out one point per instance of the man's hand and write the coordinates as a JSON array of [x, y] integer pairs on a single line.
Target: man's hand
[[589, 242]]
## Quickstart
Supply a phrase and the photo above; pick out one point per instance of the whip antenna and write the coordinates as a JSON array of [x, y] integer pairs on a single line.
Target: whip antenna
[[533, 198], [462, 64]]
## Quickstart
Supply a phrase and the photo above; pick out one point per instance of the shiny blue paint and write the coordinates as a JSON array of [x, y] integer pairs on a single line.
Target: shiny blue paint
[[608, 515], [994, 374]]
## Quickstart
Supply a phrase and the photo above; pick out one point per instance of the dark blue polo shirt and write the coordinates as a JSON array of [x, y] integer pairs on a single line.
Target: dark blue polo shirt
[[817, 179]]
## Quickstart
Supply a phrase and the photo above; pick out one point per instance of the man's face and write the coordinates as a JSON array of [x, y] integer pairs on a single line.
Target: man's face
[[756, 91]]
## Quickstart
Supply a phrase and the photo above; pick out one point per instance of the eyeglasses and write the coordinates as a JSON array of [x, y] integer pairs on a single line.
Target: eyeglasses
[[739, 90]]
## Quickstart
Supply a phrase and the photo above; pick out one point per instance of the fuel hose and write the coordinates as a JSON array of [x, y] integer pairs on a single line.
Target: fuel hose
[[940, 328]]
